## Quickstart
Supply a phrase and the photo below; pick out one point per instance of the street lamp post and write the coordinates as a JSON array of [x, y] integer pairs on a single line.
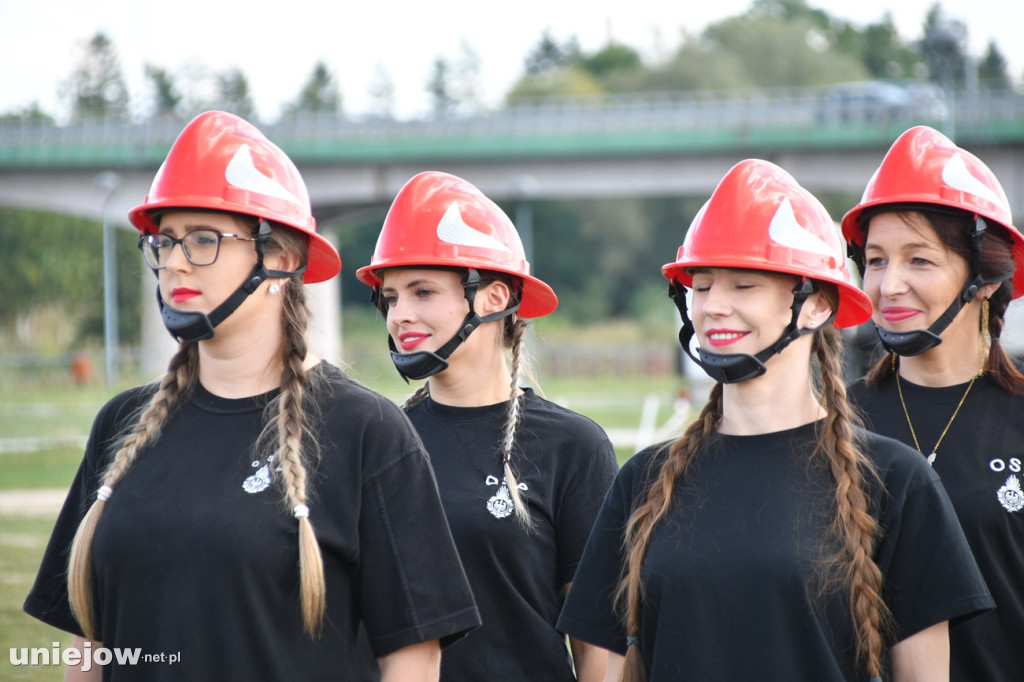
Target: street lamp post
[[109, 181]]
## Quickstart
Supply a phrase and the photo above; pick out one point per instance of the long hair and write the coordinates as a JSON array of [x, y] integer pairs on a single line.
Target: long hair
[[512, 339], [996, 259], [286, 437], [853, 528]]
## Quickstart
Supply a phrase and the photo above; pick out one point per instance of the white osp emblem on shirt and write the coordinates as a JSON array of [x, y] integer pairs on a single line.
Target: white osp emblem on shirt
[[452, 229], [1010, 495], [500, 505], [261, 480]]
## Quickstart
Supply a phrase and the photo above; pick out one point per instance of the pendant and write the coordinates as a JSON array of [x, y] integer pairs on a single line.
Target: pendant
[[931, 459]]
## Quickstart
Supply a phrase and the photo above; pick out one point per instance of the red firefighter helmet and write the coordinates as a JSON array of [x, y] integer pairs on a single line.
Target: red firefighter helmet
[[221, 162], [923, 166], [438, 219], [760, 218]]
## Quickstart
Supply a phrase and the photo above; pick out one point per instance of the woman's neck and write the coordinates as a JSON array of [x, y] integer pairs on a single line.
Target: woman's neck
[[240, 368], [778, 400], [947, 364]]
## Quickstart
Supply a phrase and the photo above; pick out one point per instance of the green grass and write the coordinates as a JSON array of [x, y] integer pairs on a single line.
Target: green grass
[[22, 541], [57, 419]]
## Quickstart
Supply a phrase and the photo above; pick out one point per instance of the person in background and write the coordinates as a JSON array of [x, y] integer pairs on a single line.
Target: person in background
[[521, 478], [941, 261], [252, 511], [774, 539]]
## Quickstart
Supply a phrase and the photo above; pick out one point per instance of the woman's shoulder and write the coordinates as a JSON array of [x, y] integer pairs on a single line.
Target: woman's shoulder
[[573, 422], [898, 465]]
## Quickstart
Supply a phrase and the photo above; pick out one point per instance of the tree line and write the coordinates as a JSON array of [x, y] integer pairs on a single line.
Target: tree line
[[612, 271]]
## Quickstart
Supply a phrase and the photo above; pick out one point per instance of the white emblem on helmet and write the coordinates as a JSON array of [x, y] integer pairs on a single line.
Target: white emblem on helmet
[[243, 174], [454, 230], [956, 175], [785, 230]]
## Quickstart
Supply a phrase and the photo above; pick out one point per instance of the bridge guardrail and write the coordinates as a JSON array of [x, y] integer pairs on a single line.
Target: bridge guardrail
[[556, 125]]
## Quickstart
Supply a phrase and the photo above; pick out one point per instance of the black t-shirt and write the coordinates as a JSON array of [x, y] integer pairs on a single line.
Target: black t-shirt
[[731, 578], [196, 554], [564, 463], [979, 461]]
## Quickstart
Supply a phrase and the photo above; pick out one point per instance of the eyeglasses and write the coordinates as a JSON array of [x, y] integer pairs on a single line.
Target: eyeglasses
[[201, 247]]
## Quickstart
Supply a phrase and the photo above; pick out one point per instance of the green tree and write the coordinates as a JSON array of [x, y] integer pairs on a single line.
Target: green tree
[[440, 88], [992, 72], [97, 87], [55, 262], [233, 93], [548, 55], [942, 46], [319, 95], [166, 98], [382, 93]]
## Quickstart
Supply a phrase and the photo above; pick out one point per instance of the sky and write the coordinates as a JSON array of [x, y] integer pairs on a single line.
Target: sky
[[276, 45]]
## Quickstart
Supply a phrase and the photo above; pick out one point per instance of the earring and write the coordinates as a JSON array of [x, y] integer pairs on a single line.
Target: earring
[[274, 290]]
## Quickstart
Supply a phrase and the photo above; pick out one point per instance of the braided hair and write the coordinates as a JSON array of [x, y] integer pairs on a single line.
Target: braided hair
[[286, 435], [853, 529]]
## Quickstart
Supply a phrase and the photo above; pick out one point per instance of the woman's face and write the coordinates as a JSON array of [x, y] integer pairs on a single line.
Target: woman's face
[[740, 311], [910, 275], [201, 288], [425, 307]]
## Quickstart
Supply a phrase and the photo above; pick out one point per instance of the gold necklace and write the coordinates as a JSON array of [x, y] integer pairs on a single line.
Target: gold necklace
[[931, 457]]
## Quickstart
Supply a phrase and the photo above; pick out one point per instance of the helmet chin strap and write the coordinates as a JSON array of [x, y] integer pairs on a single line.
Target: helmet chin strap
[[196, 326], [422, 364], [732, 368], [917, 341]]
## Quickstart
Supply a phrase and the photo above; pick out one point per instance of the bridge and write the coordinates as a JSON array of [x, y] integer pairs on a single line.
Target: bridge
[[636, 145], [609, 146]]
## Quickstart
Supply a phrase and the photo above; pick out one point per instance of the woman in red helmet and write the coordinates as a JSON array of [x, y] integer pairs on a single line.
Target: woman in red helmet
[[941, 261], [251, 515], [773, 539], [520, 477]]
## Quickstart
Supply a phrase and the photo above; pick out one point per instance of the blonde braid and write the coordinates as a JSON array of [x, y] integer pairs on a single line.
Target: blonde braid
[[854, 527], [522, 511], [645, 517], [182, 372], [293, 429]]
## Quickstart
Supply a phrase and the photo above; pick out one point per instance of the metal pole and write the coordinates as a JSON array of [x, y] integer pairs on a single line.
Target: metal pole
[[109, 181]]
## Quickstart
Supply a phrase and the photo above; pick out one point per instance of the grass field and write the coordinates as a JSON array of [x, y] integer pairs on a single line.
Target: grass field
[[43, 431]]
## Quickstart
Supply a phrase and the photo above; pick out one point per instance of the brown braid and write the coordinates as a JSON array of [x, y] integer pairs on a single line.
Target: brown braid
[[854, 527], [289, 433], [182, 373], [417, 397], [641, 524]]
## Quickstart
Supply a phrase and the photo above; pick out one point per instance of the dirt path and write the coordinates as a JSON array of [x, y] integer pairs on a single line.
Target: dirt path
[[41, 502]]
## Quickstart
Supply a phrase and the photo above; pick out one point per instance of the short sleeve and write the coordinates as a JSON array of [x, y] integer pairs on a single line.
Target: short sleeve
[[589, 610], [930, 574], [412, 586], [581, 502], [48, 598]]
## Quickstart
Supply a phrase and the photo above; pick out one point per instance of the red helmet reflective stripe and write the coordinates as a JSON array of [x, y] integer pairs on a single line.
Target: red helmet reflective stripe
[[760, 218], [438, 219], [923, 166], [221, 162]]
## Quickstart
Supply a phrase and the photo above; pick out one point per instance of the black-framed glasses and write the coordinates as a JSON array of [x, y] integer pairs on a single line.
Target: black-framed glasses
[[201, 247]]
